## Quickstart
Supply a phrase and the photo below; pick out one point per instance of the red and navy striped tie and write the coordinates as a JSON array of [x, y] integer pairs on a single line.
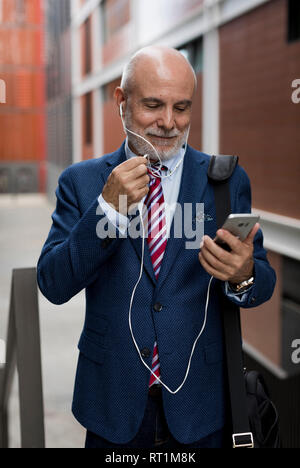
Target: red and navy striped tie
[[157, 240]]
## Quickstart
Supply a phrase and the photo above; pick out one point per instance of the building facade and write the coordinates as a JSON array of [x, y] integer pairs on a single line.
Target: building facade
[[58, 90], [22, 104]]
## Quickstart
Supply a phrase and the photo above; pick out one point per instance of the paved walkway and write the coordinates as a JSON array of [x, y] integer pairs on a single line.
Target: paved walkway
[[25, 221]]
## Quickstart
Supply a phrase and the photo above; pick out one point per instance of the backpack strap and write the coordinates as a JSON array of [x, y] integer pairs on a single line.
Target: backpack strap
[[221, 167], [219, 172]]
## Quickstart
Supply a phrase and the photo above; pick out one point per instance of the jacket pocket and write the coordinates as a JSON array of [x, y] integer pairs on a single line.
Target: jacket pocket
[[96, 324], [90, 349], [96, 330]]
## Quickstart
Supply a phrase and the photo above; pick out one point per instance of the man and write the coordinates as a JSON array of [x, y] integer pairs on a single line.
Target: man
[[134, 387]]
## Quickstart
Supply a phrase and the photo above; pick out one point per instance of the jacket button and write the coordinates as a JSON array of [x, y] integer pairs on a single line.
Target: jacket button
[[253, 299], [158, 307], [145, 353]]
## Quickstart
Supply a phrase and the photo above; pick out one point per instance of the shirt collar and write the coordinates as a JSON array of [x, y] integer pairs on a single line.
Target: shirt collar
[[170, 164]]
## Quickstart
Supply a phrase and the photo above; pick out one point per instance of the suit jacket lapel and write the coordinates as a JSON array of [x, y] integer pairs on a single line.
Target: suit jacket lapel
[[193, 185], [114, 160]]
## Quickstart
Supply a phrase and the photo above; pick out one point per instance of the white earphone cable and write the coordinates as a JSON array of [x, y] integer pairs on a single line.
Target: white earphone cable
[[173, 392], [157, 173]]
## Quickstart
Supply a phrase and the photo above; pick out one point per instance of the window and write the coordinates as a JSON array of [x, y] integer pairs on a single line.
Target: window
[[193, 51], [20, 11], [293, 20], [115, 14], [87, 47], [88, 119], [2, 92]]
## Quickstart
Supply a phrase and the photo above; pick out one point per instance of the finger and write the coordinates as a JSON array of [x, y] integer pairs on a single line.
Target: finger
[[214, 262], [216, 250], [250, 238], [142, 182], [210, 270], [234, 243], [141, 193], [132, 163], [135, 176], [137, 172]]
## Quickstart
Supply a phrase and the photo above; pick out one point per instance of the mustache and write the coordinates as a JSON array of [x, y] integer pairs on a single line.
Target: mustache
[[163, 133]]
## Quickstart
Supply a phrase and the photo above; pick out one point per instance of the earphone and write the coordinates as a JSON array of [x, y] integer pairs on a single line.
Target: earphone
[[140, 208]]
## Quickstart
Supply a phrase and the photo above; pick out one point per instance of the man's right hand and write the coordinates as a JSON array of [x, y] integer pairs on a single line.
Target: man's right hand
[[130, 179]]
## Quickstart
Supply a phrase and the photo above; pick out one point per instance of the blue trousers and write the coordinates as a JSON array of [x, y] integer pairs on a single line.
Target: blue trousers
[[154, 433]]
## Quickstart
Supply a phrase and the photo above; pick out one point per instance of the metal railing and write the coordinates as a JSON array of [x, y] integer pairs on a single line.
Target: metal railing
[[24, 352]]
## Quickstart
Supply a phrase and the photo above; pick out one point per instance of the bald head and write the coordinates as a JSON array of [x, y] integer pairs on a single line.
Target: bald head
[[161, 60]]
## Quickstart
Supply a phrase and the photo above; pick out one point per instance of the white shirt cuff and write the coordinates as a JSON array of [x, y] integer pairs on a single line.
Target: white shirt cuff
[[240, 297], [120, 221]]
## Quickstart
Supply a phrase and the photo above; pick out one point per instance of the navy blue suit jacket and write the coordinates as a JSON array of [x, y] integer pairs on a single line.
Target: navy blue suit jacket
[[111, 382]]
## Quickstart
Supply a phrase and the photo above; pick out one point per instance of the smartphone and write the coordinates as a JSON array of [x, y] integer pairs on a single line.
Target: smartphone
[[239, 225]]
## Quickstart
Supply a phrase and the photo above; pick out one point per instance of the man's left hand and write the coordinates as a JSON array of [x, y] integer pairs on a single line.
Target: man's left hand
[[235, 266]]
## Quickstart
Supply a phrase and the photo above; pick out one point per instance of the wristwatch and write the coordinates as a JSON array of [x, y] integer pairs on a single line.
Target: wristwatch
[[242, 286]]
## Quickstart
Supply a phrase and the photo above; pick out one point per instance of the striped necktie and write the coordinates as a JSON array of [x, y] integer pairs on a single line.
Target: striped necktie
[[155, 221]]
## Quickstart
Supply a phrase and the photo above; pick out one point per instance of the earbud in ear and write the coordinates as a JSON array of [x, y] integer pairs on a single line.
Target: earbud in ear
[[121, 111]]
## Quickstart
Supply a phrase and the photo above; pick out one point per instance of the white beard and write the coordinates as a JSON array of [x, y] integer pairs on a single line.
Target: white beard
[[141, 147]]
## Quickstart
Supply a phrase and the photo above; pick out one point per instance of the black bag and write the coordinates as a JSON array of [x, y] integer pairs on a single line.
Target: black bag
[[263, 416], [254, 416]]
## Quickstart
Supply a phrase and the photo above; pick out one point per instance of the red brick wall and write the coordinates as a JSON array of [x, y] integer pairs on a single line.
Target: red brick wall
[[87, 146], [117, 14], [118, 40], [112, 129], [118, 46], [30, 8], [262, 325], [22, 118], [258, 120], [195, 139]]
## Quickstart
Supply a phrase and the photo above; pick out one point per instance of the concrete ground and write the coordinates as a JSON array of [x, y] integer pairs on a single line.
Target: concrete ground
[[25, 221]]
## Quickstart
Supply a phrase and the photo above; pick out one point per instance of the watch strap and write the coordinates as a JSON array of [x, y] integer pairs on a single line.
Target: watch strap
[[243, 286]]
